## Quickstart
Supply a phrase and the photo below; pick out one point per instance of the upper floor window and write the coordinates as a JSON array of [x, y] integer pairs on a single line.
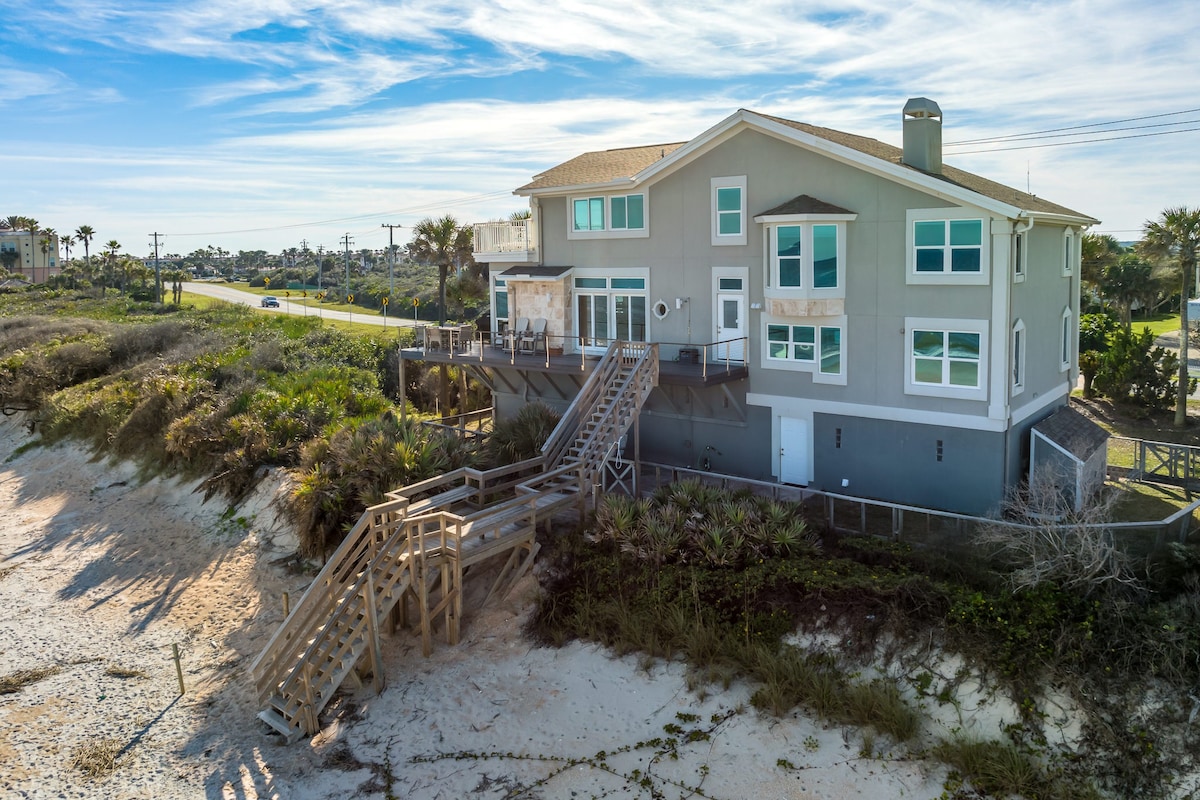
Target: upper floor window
[[604, 216], [628, 212], [589, 213], [946, 358], [729, 210], [1020, 245], [805, 256], [948, 245], [944, 247], [1068, 251]]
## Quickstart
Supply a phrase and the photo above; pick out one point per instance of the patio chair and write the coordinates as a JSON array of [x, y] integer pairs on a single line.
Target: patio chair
[[535, 337], [517, 332]]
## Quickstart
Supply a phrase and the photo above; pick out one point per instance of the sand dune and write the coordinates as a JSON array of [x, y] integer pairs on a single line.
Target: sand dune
[[102, 572]]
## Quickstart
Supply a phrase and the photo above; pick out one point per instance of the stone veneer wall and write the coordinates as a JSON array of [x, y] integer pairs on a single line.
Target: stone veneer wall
[[550, 300]]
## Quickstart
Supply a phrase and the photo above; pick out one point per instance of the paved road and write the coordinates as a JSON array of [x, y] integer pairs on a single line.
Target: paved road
[[290, 305]]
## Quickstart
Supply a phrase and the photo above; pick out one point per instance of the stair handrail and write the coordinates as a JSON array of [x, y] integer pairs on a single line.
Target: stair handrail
[[611, 424], [352, 597], [304, 620], [572, 421]]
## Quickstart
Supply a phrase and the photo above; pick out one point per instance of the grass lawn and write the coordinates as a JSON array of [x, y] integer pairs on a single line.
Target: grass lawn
[[1157, 323]]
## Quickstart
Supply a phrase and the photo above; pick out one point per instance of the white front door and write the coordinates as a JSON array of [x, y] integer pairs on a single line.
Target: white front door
[[731, 324], [793, 451]]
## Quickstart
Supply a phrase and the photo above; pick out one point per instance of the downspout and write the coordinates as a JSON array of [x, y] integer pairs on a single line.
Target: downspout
[[1019, 227]]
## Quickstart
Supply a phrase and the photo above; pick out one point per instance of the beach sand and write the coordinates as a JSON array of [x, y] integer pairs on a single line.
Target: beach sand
[[102, 572]]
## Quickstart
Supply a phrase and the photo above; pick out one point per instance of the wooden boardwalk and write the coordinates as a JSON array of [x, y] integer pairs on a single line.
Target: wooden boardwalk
[[412, 552]]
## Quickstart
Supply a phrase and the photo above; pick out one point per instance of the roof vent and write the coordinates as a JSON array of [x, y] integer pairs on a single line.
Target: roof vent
[[923, 134]]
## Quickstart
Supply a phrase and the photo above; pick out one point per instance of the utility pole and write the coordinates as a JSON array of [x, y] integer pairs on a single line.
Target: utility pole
[[346, 241], [391, 258], [157, 271], [320, 282]]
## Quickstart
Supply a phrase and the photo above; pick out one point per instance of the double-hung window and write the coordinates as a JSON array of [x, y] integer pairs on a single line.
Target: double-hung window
[[948, 245], [946, 248], [946, 358], [729, 210]]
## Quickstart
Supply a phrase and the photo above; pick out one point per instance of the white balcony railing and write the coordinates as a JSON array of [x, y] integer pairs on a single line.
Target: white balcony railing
[[514, 237]]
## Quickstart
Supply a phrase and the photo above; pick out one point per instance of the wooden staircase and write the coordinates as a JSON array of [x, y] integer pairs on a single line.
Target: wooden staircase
[[415, 548], [418, 545], [605, 408]]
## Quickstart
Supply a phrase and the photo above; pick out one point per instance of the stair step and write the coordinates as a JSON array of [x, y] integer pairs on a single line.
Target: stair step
[[292, 733]]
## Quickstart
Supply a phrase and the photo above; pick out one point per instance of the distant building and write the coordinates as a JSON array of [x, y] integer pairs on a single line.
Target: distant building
[[31, 263]]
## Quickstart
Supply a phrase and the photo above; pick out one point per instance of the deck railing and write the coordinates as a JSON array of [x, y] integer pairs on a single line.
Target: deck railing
[[509, 236]]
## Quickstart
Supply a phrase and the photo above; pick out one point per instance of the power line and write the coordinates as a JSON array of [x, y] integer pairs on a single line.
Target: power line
[[1078, 127], [1029, 138], [1081, 141], [411, 210]]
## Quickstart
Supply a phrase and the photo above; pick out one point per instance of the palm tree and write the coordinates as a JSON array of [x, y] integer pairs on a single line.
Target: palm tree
[[441, 242], [1175, 235], [110, 257], [84, 234]]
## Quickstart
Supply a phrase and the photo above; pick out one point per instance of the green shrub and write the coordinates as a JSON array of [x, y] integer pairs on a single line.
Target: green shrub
[[522, 437]]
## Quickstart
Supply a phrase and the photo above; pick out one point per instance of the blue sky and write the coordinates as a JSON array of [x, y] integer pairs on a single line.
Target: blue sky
[[256, 124]]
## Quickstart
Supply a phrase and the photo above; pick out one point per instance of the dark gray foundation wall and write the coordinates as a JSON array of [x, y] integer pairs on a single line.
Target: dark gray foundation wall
[[738, 448], [955, 469]]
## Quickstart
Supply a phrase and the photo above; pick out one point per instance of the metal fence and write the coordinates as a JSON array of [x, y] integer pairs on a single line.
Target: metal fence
[[914, 524]]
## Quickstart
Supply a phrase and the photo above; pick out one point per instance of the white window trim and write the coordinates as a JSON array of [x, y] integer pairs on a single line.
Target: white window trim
[[1070, 252], [608, 232], [1020, 342], [806, 290], [1020, 256], [812, 367], [500, 284], [1066, 347], [979, 326], [981, 278], [733, 181], [609, 273]]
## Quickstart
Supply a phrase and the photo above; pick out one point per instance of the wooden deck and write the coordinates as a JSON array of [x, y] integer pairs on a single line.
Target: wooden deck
[[485, 355]]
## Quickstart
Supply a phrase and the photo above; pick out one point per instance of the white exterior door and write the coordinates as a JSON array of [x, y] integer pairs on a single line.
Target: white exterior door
[[793, 451], [731, 324]]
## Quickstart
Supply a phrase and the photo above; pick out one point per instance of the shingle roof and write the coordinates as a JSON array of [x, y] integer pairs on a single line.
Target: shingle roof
[[602, 166], [535, 271], [1073, 432], [804, 204], [611, 165]]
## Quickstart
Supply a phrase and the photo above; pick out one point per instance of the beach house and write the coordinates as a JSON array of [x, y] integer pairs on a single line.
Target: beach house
[[830, 310]]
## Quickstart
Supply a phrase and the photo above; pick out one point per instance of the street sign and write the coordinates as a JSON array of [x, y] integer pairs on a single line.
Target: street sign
[[349, 298], [385, 301]]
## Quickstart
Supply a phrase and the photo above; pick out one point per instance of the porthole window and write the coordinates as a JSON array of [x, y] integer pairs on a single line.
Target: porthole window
[[661, 309]]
